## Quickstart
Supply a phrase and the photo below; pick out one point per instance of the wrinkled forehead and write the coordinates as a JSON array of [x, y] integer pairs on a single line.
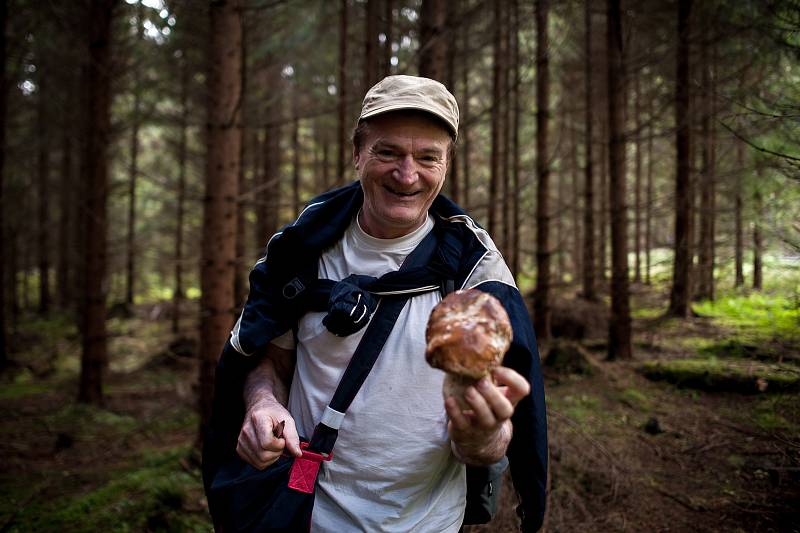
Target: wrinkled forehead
[[406, 122]]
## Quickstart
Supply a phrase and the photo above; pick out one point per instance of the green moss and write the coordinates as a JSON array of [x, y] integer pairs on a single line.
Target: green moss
[[581, 408], [90, 421], [647, 313], [778, 412], [769, 420], [727, 375], [761, 314], [151, 497], [635, 399], [736, 461], [22, 386]]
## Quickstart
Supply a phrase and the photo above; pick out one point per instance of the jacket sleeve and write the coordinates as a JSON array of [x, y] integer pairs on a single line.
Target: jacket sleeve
[[263, 319], [527, 452]]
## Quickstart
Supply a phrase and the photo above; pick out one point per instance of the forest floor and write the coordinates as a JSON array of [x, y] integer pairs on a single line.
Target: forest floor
[[628, 453]]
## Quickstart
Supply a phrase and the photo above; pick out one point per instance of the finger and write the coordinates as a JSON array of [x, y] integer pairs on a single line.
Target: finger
[[291, 438], [263, 429], [247, 444], [498, 402], [249, 449], [252, 457], [518, 386], [458, 419], [484, 417]]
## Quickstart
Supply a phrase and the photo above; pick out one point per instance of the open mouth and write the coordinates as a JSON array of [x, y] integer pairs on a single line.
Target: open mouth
[[401, 194]]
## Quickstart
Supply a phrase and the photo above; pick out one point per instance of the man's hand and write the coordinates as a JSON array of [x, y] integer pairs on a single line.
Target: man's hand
[[263, 436], [268, 428], [481, 435]]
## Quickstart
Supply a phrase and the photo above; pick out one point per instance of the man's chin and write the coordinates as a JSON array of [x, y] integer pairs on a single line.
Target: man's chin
[[401, 220]]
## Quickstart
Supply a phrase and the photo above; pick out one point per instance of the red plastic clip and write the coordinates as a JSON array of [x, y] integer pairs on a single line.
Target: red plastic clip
[[303, 475]]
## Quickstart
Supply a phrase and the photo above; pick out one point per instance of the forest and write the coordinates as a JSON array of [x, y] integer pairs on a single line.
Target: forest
[[636, 163]]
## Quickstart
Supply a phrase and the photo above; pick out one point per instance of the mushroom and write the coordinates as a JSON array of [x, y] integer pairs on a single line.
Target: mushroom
[[467, 335]]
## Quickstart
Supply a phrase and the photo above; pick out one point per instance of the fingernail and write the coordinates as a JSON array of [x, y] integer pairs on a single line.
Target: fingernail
[[471, 392], [483, 384]]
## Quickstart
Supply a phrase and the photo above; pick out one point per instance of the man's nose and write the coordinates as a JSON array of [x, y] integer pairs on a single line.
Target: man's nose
[[406, 169]]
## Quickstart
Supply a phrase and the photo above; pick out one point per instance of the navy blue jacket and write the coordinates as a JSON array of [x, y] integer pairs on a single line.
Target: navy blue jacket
[[273, 307]]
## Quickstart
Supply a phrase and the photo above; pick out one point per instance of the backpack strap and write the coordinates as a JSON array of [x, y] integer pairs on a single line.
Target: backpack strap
[[367, 353]]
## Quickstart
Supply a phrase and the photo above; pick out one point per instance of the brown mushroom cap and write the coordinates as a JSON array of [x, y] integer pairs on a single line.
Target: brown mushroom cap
[[468, 333]]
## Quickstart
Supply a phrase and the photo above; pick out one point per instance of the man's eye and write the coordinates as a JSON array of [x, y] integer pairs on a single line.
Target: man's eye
[[385, 153]]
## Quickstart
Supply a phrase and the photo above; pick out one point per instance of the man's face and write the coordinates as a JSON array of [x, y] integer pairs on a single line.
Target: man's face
[[402, 163]]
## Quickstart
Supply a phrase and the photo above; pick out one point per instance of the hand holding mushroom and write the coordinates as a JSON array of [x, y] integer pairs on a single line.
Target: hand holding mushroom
[[467, 336]]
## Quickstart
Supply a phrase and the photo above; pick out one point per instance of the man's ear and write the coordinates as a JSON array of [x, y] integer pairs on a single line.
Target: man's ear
[[356, 159]]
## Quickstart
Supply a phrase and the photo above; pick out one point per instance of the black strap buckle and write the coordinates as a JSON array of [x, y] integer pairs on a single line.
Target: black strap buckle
[[292, 289]]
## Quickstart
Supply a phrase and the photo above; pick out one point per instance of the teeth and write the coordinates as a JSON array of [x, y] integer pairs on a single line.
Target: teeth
[[400, 193]]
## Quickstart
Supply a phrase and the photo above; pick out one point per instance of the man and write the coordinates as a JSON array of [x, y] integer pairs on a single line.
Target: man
[[399, 459]]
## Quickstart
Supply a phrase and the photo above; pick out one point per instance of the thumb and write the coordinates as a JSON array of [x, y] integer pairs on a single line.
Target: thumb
[[291, 439]]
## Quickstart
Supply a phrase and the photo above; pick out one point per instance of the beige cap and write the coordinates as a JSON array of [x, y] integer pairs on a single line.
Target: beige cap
[[394, 93]]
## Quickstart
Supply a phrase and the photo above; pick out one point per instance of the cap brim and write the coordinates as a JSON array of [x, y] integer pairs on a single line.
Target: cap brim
[[412, 107]]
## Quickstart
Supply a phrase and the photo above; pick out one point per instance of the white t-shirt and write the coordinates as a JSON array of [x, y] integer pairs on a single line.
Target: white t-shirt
[[392, 469]]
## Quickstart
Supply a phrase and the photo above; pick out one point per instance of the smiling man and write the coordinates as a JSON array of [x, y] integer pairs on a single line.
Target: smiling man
[[400, 448]]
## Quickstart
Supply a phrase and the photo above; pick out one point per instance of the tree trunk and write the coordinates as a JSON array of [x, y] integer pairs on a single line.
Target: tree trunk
[[453, 164], [619, 327], [507, 196], [371, 62], [561, 203], [588, 187], [269, 204], [464, 126], [497, 70], [648, 226], [637, 224], [296, 154], [575, 202], [681, 288], [43, 188], [541, 305], [738, 206], [133, 169], [13, 282], [341, 160], [515, 155], [387, 45], [326, 149], [178, 295], [27, 264], [242, 263], [219, 213], [268, 192], [758, 278], [705, 286], [432, 39], [603, 255], [67, 200], [3, 105], [94, 358]]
